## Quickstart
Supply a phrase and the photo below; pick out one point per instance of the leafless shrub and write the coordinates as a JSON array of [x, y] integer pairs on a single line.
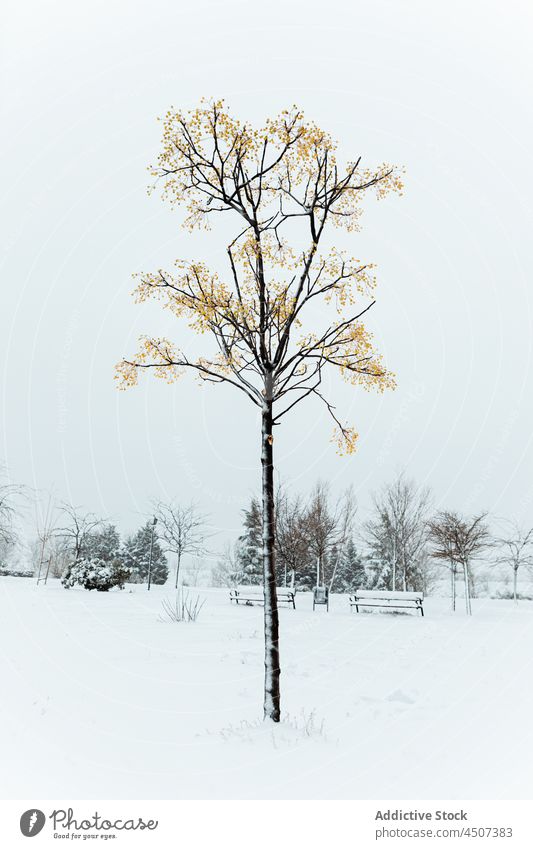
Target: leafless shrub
[[306, 723], [183, 608], [290, 731]]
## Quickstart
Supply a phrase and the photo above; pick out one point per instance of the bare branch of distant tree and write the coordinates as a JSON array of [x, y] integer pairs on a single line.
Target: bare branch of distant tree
[[226, 572], [516, 551], [459, 540], [182, 530], [291, 534], [78, 525], [396, 534], [46, 530], [10, 495]]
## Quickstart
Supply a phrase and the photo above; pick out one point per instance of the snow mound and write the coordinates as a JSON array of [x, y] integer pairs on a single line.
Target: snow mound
[[401, 696]]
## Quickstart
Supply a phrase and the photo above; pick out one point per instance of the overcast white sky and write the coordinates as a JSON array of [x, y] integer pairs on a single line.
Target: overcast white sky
[[443, 88]]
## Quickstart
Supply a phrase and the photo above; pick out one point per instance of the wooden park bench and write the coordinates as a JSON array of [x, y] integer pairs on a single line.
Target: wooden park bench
[[254, 595], [387, 599]]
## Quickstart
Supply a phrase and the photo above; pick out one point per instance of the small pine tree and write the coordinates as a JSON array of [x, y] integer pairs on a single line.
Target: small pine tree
[[136, 555], [103, 544], [250, 546], [379, 575], [351, 573]]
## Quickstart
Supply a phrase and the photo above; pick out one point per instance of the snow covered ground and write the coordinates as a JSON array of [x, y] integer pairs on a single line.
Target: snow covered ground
[[100, 699]]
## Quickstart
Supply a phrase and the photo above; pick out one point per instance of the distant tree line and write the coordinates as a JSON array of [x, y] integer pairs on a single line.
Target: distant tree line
[[402, 544], [313, 542]]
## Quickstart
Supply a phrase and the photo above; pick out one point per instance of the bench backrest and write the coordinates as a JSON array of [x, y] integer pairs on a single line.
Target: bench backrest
[[388, 594], [257, 589]]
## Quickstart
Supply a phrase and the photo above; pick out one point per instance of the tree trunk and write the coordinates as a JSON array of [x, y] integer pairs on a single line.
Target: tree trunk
[[40, 562], [471, 584], [467, 589], [178, 569], [271, 707], [453, 584], [515, 583], [334, 573]]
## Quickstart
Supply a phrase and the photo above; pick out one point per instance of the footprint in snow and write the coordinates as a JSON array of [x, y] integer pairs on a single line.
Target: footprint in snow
[[400, 696]]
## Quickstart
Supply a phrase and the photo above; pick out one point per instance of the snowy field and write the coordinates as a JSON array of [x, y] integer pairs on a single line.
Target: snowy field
[[100, 699]]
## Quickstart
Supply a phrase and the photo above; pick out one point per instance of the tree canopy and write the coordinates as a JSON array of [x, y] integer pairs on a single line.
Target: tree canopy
[[270, 177]]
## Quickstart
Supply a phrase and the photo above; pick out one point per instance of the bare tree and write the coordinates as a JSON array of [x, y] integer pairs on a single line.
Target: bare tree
[[459, 540], [291, 531], [269, 181], [226, 572], [346, 510], [56, 557], [442, 542], [516, 551], [76, 530], [7, 515], [428, 571], [182, 530], [322, 528], [328, 528], [396, 534], [195, 572], [60, 556], [46, 533], [10, 497]]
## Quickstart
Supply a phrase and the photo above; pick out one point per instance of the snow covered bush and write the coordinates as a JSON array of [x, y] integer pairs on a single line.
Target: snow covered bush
[[101, 545], [96, 574]]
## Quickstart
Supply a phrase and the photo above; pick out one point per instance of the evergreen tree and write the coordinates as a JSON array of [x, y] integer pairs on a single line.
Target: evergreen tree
[[350, 574], [136, 555], [250, 546], [379, 574], [103, 544]]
